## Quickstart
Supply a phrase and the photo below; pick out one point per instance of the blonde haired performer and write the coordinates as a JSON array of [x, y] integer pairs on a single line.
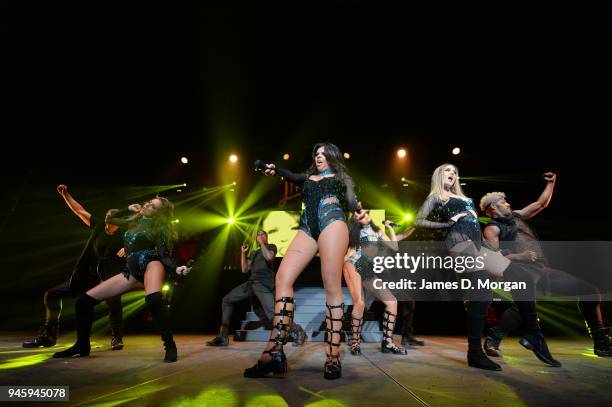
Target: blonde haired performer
[[464, 237]]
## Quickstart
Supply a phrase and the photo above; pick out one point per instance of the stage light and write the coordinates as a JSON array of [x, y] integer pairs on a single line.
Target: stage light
[[165, 288], [403, 179], [286, 157], [184, 160], [233, 158], [401, 153], [456, 151], [175, 221], [185, 184], [231, 220], [347, 156], [234, 183], [408, 217]]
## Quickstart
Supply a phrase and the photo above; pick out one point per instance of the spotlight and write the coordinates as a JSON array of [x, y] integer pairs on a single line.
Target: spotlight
[[286, 157], [408, 217], [185, 184], [231, 220], [165, 288], [403, 179], [456, 151], [401, 153], [234, 183], [184, 160], [175, 221], [347, 156], [233, 158]]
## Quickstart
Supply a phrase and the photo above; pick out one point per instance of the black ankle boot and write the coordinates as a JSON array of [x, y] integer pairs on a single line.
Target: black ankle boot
[[47, 337], [84, 307], [220, 340], [81, 349], [602, 343], [536, 343], [162, 320], [278, 361], [410, 340], [171, 352], [332, 369], [476, 358]]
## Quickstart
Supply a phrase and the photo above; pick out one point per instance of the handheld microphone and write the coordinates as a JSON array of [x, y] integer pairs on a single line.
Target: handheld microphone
[[392, 224]]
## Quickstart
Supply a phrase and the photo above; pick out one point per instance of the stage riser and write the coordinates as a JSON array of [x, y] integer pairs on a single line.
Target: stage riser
[[310, 314]]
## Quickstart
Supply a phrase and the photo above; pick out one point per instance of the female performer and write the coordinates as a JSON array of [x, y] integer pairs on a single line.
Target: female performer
[[148, 243], [464, 237], [358, 274], [327, 191]]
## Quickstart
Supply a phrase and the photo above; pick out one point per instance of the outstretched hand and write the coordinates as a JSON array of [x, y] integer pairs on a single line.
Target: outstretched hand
[[270, 170]]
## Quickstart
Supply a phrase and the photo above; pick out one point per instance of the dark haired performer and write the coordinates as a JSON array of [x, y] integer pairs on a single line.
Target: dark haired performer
[[511, 226], [98, 261], [259, 285]]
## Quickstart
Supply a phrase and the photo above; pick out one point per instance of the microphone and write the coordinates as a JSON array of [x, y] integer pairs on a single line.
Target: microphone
[[392, 224]]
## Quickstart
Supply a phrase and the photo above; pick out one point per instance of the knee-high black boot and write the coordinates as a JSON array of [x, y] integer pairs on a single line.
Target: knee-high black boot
[[476, 314], [84, 318], [159, 312]]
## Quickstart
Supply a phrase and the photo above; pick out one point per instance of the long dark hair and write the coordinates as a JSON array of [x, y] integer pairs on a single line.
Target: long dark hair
[[334, 157], [354, 228], [163, 225]]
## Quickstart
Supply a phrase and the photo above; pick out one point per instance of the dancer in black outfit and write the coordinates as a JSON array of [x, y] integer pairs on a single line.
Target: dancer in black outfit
[[148, 243], [98, 262], [509, 225], [464, 237], [260, 285], [327, 192]]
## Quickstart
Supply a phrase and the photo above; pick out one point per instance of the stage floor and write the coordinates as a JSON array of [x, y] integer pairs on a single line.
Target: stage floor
[[435, 375]]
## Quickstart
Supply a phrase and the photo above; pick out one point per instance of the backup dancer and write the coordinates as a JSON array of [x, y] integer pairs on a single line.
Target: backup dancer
[[98, 262], [510, 230], [358, 275]]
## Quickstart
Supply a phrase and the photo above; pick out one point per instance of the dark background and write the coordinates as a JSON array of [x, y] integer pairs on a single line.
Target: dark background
[[104, 96]]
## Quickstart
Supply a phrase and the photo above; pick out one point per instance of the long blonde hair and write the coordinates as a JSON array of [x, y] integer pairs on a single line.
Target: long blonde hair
[[437, 183]]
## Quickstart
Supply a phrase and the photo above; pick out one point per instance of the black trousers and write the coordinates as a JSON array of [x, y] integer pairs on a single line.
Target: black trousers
[[53, 305], [558, 282], [252, 288]]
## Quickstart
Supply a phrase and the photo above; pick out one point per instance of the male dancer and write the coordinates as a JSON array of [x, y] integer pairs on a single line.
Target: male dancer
[[99, 261], [260, 285], [511, 226]]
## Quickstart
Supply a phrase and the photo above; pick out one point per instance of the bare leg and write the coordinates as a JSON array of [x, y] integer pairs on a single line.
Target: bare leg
[[333, 243], [114, 286], [300, 252]]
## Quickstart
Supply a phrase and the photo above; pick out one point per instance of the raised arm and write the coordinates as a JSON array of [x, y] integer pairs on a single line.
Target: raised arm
[[428, 206], [74, 206], [534, 208]]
